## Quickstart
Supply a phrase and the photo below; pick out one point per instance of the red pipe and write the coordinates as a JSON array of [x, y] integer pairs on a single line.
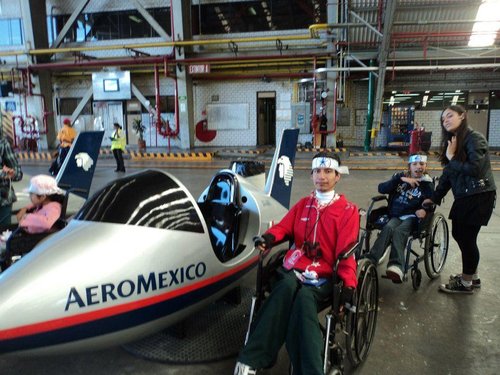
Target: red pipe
[[42, 98], [379, 14], [157, 99]]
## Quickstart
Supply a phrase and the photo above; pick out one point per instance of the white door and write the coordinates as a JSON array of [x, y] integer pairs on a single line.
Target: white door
[[107, 113]]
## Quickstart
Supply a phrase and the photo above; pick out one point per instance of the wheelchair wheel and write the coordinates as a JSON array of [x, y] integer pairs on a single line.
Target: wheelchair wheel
[[416, 278], [366, 241], [361, 324], [436, 246]]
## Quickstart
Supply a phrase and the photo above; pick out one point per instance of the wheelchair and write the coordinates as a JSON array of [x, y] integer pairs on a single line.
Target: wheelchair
[[21, 242], [346, 332], [431, 234]]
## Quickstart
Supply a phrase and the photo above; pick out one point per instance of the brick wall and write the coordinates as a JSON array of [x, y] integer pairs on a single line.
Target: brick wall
[[238, 92]]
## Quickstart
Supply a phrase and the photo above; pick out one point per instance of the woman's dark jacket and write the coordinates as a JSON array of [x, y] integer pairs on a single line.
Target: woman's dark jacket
[[473, 176]]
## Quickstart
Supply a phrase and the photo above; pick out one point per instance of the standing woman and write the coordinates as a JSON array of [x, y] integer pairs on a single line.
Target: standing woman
[[118, 146], [467, 172]]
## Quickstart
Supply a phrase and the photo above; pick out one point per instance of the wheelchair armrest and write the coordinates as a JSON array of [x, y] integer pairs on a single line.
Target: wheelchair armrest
[[351, 249], [379, 198]]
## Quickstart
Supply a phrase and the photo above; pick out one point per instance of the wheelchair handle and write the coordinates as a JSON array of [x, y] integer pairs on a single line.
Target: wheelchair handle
[[429, 206]]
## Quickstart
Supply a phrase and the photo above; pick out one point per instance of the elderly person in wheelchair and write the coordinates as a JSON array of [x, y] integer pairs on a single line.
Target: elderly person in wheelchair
[[407, 191], [35, 221], [321, 227]]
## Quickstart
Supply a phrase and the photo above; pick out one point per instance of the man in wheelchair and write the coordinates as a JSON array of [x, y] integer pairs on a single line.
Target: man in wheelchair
[[321, 226], [407, 191]]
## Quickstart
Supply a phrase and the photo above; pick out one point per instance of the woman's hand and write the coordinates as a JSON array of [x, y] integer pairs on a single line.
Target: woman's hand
[[412, 181], [8, 171], [452, 148], [420, 213], [21, 214]]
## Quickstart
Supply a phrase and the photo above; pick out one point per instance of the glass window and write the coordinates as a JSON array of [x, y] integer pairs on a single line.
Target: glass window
[[149, 199], [126, 24], [248, 16], [11, 33]]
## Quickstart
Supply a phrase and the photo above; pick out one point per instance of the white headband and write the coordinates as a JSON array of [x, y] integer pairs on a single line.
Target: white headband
[[324, 162], [416, 158]]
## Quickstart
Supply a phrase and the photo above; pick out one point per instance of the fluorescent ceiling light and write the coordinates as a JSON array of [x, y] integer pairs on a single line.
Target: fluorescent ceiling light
[[135, 18], [487, 24]]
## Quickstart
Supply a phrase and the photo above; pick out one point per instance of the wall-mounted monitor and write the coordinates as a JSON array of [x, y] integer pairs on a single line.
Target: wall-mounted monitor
[[111, 85]]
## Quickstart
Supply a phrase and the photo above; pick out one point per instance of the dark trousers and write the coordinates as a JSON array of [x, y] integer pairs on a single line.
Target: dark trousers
[[58, 162], [290, 316], [466, 237], [396, 233], [118, 154]]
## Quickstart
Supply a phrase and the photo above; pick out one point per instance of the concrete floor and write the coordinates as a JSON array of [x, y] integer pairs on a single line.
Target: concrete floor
[[418, 332]]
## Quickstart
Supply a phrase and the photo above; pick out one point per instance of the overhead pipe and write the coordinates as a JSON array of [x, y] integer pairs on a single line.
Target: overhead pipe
[[173, 43], [157, 60], [252, 76], [412, 68]]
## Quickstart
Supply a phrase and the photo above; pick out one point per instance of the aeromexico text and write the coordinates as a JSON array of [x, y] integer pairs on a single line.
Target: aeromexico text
[[96, 294]]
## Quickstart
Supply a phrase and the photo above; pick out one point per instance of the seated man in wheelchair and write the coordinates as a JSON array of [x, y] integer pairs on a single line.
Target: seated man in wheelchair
[[321, 226], [407, 191]]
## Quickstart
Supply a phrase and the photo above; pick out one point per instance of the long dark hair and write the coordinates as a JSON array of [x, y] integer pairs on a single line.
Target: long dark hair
[[460, 134]]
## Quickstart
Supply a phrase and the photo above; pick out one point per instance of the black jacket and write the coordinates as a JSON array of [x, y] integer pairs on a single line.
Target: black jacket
[[404, 199], [470, 177]]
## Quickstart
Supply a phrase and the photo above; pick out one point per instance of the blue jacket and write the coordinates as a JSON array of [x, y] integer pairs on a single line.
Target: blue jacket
[[403, 199]]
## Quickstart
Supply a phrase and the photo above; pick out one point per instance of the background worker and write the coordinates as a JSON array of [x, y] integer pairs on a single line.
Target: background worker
[[66, 136], [118, 142]]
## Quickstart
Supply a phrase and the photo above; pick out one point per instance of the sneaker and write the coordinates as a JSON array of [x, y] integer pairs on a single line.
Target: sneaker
[[456, 286], [395, 274], [475, 283], [242, 369]]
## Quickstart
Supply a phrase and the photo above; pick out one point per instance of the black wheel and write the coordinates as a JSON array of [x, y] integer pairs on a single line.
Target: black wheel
[[416, 278], [367, 239], [362, 323], [436, 246]]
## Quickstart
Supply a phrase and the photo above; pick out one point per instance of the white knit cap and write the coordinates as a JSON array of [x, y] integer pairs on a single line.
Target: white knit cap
[[43, 185]]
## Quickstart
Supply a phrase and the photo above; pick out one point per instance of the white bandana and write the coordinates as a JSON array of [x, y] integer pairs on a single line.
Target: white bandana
[[323, 162], [417, 158]]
